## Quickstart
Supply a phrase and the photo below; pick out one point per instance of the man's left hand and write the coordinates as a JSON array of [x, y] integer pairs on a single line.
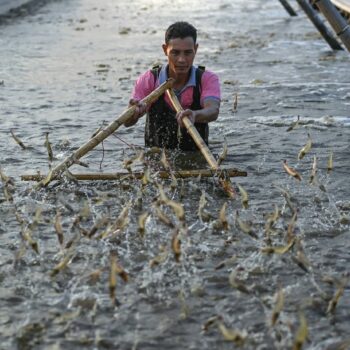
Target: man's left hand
[[191, 115]]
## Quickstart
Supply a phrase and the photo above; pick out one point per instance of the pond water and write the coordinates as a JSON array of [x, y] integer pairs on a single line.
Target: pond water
[[68, 68]]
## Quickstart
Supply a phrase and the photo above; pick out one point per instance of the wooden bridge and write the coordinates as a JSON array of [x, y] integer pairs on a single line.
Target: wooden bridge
[[336, 12], [343, 5]]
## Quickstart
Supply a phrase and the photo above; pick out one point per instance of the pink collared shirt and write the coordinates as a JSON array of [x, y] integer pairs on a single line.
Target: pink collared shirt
[[210, 87]]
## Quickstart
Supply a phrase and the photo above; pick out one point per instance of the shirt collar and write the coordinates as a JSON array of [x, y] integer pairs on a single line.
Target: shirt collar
[[163, 76]]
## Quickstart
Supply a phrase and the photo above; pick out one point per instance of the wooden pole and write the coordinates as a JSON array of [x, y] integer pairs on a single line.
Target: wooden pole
[[288, 8], [191, 129], [336, 20], [194, 133], [138, 175], [316, 19], [103, 134]]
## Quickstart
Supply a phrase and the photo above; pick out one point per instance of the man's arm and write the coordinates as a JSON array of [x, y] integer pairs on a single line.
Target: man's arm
[[144, 85], [209, 113]]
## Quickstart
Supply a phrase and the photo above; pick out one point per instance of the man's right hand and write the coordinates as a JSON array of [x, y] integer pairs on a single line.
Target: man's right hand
[[140, 110]]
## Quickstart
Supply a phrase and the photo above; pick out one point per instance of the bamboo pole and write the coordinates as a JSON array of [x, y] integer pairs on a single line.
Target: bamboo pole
[[336, 20], [191, 129], [316, 19], [138, 175], [194, 133], [288, 8], [103, 134]]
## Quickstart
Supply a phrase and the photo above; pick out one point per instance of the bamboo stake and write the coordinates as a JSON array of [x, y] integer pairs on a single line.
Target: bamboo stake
[[139, 175], [191, 129], [336, 20], [343, 6], [288, 8], [103, 134], [316, 19]]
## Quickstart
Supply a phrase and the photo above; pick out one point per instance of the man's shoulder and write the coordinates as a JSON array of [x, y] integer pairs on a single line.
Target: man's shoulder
[[209, 75], [208, 72], [145, 76]]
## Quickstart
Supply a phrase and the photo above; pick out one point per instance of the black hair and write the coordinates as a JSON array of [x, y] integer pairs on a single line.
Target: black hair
[[180, 30]]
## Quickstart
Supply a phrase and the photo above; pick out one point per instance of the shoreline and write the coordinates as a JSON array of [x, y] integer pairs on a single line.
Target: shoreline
[[7, 6], [10, 9]]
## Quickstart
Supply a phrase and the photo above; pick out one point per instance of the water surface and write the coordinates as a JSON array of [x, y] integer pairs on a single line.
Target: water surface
[[67, 69]]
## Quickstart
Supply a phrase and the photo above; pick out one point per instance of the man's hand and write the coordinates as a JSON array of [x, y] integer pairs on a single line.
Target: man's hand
[[191, 115], [140, 110]]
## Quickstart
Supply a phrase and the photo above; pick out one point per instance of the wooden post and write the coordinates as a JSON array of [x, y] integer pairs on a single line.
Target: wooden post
[[103, 134], [288, 8], [336, 20], [317, 21]]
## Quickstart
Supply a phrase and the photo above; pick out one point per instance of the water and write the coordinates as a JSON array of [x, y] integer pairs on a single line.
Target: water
[[67, 68]]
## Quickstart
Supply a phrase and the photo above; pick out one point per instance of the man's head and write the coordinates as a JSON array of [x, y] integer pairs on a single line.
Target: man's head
[[180, 30], [180, 47]]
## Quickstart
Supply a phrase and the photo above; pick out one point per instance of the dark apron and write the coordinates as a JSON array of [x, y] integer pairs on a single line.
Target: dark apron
[[161, 125]]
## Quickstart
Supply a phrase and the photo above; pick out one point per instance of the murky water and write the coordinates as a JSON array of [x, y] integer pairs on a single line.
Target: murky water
[[67, 69]]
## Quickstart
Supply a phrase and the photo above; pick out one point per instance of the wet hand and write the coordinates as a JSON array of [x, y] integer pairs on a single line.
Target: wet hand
[[191, 115], [140, 110]]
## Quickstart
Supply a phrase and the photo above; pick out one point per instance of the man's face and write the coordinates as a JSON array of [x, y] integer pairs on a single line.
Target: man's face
[[180, 53]]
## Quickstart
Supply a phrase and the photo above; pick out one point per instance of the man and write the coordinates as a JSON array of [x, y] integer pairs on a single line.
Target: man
[[197, 89]]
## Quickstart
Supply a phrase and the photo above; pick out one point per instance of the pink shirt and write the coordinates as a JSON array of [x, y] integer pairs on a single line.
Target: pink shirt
[[210, 86]]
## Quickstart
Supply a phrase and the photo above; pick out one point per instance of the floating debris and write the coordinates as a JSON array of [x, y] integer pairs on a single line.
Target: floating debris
[[164, 161], [335, 299], [176, 245], [245, 227], [113, 279], [301, 334], [291, 171], [223, 154], [300, 257], [278, 249], [203, 214], [62, 264], [330, 162], [160, 258], [226, 263], [142, 222], [163, 217], [27, 236], [271, 220], [236, 336], [18, 141], [58, 228], [278, 306], [313, 171], [306, 149], [293, 125], [47, 144], [244, 196], [236, 283], [235, 102], [290, 230], [210, 322]]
